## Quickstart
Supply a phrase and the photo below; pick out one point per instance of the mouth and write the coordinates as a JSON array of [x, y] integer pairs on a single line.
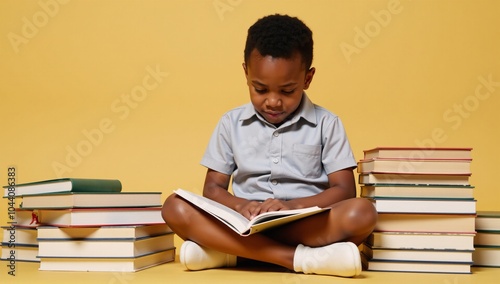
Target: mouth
[[274, 115]]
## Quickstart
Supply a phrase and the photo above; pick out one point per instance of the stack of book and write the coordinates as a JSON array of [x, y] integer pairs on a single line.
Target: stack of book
[[92, 225], [19, 244], [487, 240], [426, 207]]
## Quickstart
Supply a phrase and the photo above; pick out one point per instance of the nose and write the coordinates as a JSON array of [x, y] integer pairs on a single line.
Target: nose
[[273, 100]]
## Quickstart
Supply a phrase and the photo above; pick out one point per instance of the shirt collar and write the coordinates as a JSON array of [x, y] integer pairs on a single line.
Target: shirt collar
[[306, 111]]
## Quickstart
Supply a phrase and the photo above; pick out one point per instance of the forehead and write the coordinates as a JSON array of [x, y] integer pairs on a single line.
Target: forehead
[[268, 66]]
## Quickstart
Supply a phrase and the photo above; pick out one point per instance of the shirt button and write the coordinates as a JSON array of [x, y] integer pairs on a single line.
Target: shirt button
[[274, 182], [276, 134], [275, 160]]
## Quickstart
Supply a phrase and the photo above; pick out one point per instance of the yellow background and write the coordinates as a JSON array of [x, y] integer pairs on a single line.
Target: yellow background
[[133, 89]]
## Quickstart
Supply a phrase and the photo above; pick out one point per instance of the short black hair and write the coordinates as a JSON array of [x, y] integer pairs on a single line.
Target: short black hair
[[280, 36]]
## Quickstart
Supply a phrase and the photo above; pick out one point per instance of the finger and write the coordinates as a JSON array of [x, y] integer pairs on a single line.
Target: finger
[[272, 205], [255, 211], [252, 209], [247, 214]]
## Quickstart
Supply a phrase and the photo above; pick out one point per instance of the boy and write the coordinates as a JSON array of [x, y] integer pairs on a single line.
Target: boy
[[282, 152]]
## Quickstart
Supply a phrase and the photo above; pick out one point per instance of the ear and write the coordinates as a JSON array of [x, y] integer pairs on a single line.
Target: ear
[[309, 77], [244, 68]]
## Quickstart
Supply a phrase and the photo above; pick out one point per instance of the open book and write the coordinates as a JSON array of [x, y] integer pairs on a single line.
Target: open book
[[238, 222]]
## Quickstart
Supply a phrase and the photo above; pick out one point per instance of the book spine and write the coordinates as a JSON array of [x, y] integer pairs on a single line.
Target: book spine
[[96, 185]]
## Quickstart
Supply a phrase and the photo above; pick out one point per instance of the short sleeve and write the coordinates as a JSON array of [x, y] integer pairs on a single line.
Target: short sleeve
[[337, 153], [218, 154]]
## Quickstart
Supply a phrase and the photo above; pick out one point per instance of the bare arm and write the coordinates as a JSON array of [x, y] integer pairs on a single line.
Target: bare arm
[[342, 186], [216, 188]]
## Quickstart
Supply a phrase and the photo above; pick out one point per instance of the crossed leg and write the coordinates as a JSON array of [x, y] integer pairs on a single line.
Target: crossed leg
[[351, 220]]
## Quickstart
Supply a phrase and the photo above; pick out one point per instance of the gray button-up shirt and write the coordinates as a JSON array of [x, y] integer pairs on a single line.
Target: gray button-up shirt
[[285, 162]]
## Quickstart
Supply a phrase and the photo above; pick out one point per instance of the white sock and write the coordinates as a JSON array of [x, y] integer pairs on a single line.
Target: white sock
[[196, 257], [338, 259]]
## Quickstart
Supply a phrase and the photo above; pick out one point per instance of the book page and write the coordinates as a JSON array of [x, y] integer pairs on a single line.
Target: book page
[[269, 216], [225, 214], [268, 220]]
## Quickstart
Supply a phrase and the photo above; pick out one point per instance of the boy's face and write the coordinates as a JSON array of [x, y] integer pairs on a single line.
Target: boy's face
[[276, 85]]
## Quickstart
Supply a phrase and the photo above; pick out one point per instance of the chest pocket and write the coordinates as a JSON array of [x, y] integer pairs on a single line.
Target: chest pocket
[[306, 160]]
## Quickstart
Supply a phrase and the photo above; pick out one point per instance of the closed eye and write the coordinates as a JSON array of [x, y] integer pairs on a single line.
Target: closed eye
[[260, 91]]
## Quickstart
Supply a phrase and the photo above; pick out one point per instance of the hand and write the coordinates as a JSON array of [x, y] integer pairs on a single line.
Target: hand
[[248, 209], [254, 208], [272, 204]]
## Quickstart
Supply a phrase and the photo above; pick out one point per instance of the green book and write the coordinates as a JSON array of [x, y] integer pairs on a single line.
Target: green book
[[63, 185]]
